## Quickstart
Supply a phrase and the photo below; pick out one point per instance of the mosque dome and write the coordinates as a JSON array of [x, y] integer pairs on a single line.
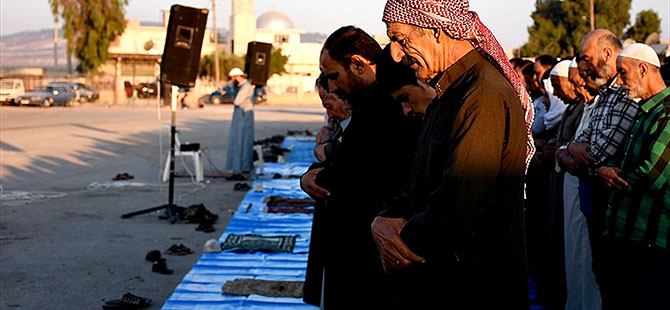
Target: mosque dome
[[274, 20]]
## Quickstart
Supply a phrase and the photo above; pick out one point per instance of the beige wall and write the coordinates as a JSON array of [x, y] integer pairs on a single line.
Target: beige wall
[[135, 38]]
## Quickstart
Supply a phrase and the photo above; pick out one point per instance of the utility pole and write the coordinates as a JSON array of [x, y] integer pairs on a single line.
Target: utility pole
[[593, 16], [216, 45], [55, 48]]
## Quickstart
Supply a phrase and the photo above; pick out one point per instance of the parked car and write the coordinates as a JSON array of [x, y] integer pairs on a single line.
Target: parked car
[[223, 95], [10, 89], [147, 90], [261, 94], [83, 93], [46, 96], [226, 94]]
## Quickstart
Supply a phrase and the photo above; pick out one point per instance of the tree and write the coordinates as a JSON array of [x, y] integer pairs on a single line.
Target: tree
[[228, 62], [559, 26], [646, 23], [277, 62], [89, 27]]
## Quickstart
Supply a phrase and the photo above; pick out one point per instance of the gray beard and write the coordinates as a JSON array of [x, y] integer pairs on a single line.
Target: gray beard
[[604, 73]]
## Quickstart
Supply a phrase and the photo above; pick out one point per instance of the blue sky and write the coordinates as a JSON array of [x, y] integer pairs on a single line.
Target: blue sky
[[508, 19]]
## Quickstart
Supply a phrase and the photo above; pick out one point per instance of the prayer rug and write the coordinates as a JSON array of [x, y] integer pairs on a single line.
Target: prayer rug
[[278, 204], [245, 287], [251, 243]]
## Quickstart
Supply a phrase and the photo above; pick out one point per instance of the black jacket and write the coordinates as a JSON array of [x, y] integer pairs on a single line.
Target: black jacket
[[373, 164]]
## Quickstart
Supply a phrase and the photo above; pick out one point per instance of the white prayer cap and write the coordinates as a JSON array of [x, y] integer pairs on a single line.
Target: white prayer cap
[[561, 68], [641, 52], [573, 63], [235, 72]]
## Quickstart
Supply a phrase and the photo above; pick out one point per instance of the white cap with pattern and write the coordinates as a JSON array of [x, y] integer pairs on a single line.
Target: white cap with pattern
[[561, 68], [642, 52]]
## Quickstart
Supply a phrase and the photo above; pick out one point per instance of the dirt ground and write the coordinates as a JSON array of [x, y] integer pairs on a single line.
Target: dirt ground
[[63, 244]]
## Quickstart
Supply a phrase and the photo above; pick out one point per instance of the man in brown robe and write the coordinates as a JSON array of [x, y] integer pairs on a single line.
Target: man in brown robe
[[455, 238]]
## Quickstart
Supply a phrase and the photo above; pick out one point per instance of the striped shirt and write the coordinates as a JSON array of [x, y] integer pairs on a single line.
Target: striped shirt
[[642, 211], [609, 124]]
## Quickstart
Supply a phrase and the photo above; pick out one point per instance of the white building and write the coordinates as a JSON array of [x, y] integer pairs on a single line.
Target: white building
[[135, 55], [276, 28]]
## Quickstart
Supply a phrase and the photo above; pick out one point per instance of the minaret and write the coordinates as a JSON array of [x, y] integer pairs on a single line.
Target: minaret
[[242, 26]]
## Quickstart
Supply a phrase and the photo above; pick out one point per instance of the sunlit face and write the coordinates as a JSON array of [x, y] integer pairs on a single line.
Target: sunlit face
[[415, 47], [539, 72], [336, 108], [589, 84], [341, 81], [563, 89], [630, 76], [519, 72], [578, 83], [414, 98], [593, 64]]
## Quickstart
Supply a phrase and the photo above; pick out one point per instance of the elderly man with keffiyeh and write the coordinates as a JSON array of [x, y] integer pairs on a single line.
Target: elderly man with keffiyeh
[[455, 239]]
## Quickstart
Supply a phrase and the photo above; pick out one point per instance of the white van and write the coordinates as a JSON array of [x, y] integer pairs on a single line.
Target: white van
[[10, 89]]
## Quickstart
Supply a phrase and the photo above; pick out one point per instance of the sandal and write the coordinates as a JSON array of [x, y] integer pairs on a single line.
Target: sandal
[[122, 177], [241, 187], [127, 301], [178, 250]]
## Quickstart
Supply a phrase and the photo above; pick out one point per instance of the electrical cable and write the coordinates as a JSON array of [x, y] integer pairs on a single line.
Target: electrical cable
[[206, 152]]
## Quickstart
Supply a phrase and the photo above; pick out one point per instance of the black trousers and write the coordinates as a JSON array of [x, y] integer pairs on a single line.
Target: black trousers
[[635, 275]]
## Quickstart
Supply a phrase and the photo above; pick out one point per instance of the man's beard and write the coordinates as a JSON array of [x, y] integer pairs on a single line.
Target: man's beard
[[633, 92], [602, 74], [355, 84]]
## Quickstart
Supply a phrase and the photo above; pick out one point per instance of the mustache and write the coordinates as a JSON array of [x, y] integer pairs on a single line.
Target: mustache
[[408, 60]]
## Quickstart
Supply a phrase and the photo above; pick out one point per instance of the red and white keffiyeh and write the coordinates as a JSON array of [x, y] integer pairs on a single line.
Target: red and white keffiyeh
[[455, 17]]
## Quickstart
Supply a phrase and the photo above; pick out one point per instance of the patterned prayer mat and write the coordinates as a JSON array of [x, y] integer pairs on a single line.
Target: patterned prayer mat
[[245, 287], [251, 243], [278, 204]]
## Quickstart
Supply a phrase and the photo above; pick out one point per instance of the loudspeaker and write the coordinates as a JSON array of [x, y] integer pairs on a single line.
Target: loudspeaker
[[257, 62], [183, 42]]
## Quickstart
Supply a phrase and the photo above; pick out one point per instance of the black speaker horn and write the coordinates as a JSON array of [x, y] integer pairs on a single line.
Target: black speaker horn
[[183, 43], [257, 62]]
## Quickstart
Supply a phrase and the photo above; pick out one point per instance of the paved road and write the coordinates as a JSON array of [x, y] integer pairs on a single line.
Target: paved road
[[62, 243]]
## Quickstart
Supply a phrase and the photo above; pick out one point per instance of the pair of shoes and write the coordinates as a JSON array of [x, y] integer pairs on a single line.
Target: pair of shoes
[[160, 266], [178, 250], [122, 176], [241, 187], [205, 227], [153, 255], [127, 301]]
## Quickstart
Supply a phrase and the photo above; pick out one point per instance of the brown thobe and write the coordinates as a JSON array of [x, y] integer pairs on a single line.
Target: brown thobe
[[465, 202]]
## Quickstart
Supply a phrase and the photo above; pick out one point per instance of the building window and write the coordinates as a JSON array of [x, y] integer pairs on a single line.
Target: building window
[[281, 38]]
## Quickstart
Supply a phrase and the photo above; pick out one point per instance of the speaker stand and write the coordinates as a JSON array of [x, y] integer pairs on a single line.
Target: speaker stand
[[170, 211]]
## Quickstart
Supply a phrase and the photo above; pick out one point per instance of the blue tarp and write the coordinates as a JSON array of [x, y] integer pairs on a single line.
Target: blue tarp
[[201, 287]]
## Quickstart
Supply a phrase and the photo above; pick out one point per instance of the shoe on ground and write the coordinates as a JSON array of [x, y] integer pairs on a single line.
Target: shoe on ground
[[160, 266], [153, 256], [128, 301], [178, 250]]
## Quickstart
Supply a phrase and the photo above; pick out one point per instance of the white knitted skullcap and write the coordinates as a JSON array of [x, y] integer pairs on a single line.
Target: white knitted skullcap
[[236, 72], [561, 68], [641, 52], [573, 63]]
